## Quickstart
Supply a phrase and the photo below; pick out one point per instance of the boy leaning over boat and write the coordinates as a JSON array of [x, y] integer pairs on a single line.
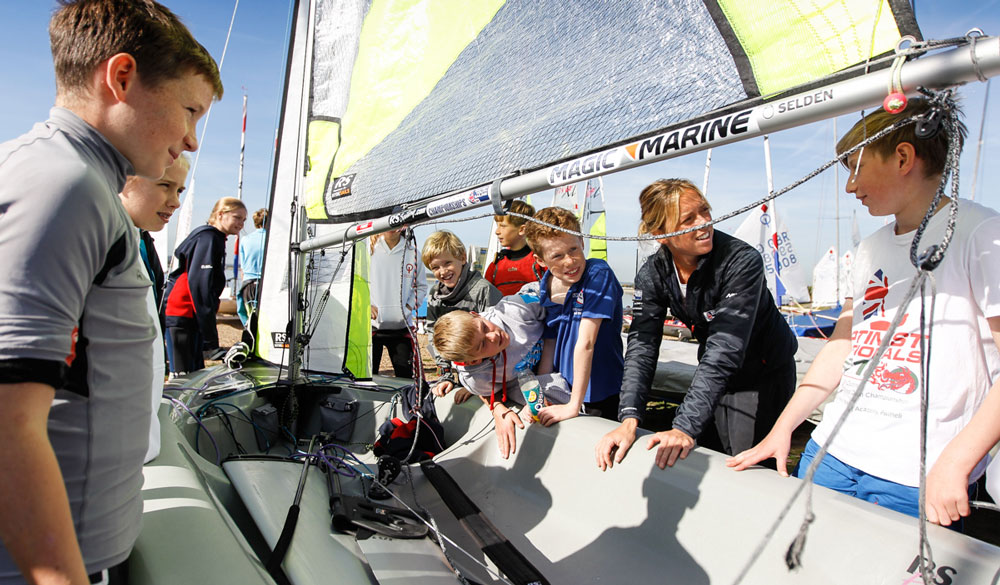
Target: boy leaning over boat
[[876, 455], [489, 349], [75, 332]]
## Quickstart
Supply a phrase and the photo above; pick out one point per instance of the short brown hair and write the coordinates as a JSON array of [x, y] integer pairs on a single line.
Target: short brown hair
[[660, 207], [536, 233], [453, 333], [225, 205], [259, 217], [84, 33], [517, 206], [933, 151], [441, 242]]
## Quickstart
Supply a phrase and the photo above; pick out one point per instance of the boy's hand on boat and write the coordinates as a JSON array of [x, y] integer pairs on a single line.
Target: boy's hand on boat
[[461, 395], [947, 493], [613, 446], [674, 445], [550, 415], [505, 420], [442, 388], [771, 446]]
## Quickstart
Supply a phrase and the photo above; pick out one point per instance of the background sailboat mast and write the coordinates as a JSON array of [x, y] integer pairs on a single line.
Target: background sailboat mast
[[779, 287], [708, 168], [187, 207], [239, 195], [979, 146], [836, 211]]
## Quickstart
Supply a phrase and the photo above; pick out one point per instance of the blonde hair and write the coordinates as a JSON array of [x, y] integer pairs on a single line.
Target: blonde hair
[[225, 205], [517, 206], [181, 161], [259, 217], [660, 207], [453, 333], [441, 242], [536, 233], [933, 151]]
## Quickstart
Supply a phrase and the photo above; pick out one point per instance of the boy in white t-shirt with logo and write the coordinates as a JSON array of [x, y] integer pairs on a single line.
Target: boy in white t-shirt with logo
[[876, 454]]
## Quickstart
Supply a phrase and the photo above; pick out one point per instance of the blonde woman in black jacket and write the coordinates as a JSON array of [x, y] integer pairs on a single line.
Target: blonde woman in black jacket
[[715, 284]]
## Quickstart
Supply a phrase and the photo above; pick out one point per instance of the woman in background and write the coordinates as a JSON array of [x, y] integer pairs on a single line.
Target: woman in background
[[251, 263], [193, 288]]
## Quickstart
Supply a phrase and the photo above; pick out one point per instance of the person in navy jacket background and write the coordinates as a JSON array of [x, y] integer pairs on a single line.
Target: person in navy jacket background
[[194, 287]]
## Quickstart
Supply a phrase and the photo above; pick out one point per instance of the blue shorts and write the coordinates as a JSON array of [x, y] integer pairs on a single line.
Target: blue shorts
[[839, 476]]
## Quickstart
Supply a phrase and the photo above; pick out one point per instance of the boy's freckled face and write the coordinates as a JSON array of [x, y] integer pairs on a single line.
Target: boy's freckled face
[[447, 268], [488, 340], [871, 182], [563, 256], [510, 235], [162, 122]]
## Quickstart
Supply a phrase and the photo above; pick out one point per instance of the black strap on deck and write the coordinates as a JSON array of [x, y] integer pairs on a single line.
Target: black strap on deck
[[495, 545]]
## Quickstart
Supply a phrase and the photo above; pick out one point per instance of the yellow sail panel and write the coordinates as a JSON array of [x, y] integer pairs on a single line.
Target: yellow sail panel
[[599, 248], [791, 42], [359, 334], [406, 46], [322, 144]]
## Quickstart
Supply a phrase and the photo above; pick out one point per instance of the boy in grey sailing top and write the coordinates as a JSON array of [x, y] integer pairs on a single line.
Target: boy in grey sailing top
[[75, 333], [487, 349], [459, 287]]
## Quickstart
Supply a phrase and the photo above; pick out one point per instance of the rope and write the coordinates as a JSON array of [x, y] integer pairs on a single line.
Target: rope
[[432, 526], [926, 554], [208, 114]]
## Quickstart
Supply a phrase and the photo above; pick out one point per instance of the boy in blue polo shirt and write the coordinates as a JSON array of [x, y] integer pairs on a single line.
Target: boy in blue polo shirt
[[583, 303]]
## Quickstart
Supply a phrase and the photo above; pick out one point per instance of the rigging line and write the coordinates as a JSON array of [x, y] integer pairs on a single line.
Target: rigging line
[[925, 555], [770, 197], [208, 114], [933, 255], [744, 209]]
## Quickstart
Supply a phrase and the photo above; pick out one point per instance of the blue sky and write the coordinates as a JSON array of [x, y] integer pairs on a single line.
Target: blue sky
[[254, 64]]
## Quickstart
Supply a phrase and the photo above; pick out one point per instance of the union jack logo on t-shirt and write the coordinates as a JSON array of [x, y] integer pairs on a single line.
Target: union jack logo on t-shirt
[[874, 299]]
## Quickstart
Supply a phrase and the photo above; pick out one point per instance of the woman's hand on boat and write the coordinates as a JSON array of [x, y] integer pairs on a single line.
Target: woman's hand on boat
[[442, 388], [773, 445], [505, 422], [613, 446], [674, 444], [550, 415]]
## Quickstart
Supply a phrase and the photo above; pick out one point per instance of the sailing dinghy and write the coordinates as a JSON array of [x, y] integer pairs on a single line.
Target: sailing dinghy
[[405, 112]]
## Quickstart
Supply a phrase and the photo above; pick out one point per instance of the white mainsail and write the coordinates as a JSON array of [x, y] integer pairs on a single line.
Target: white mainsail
[[824, 283]]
